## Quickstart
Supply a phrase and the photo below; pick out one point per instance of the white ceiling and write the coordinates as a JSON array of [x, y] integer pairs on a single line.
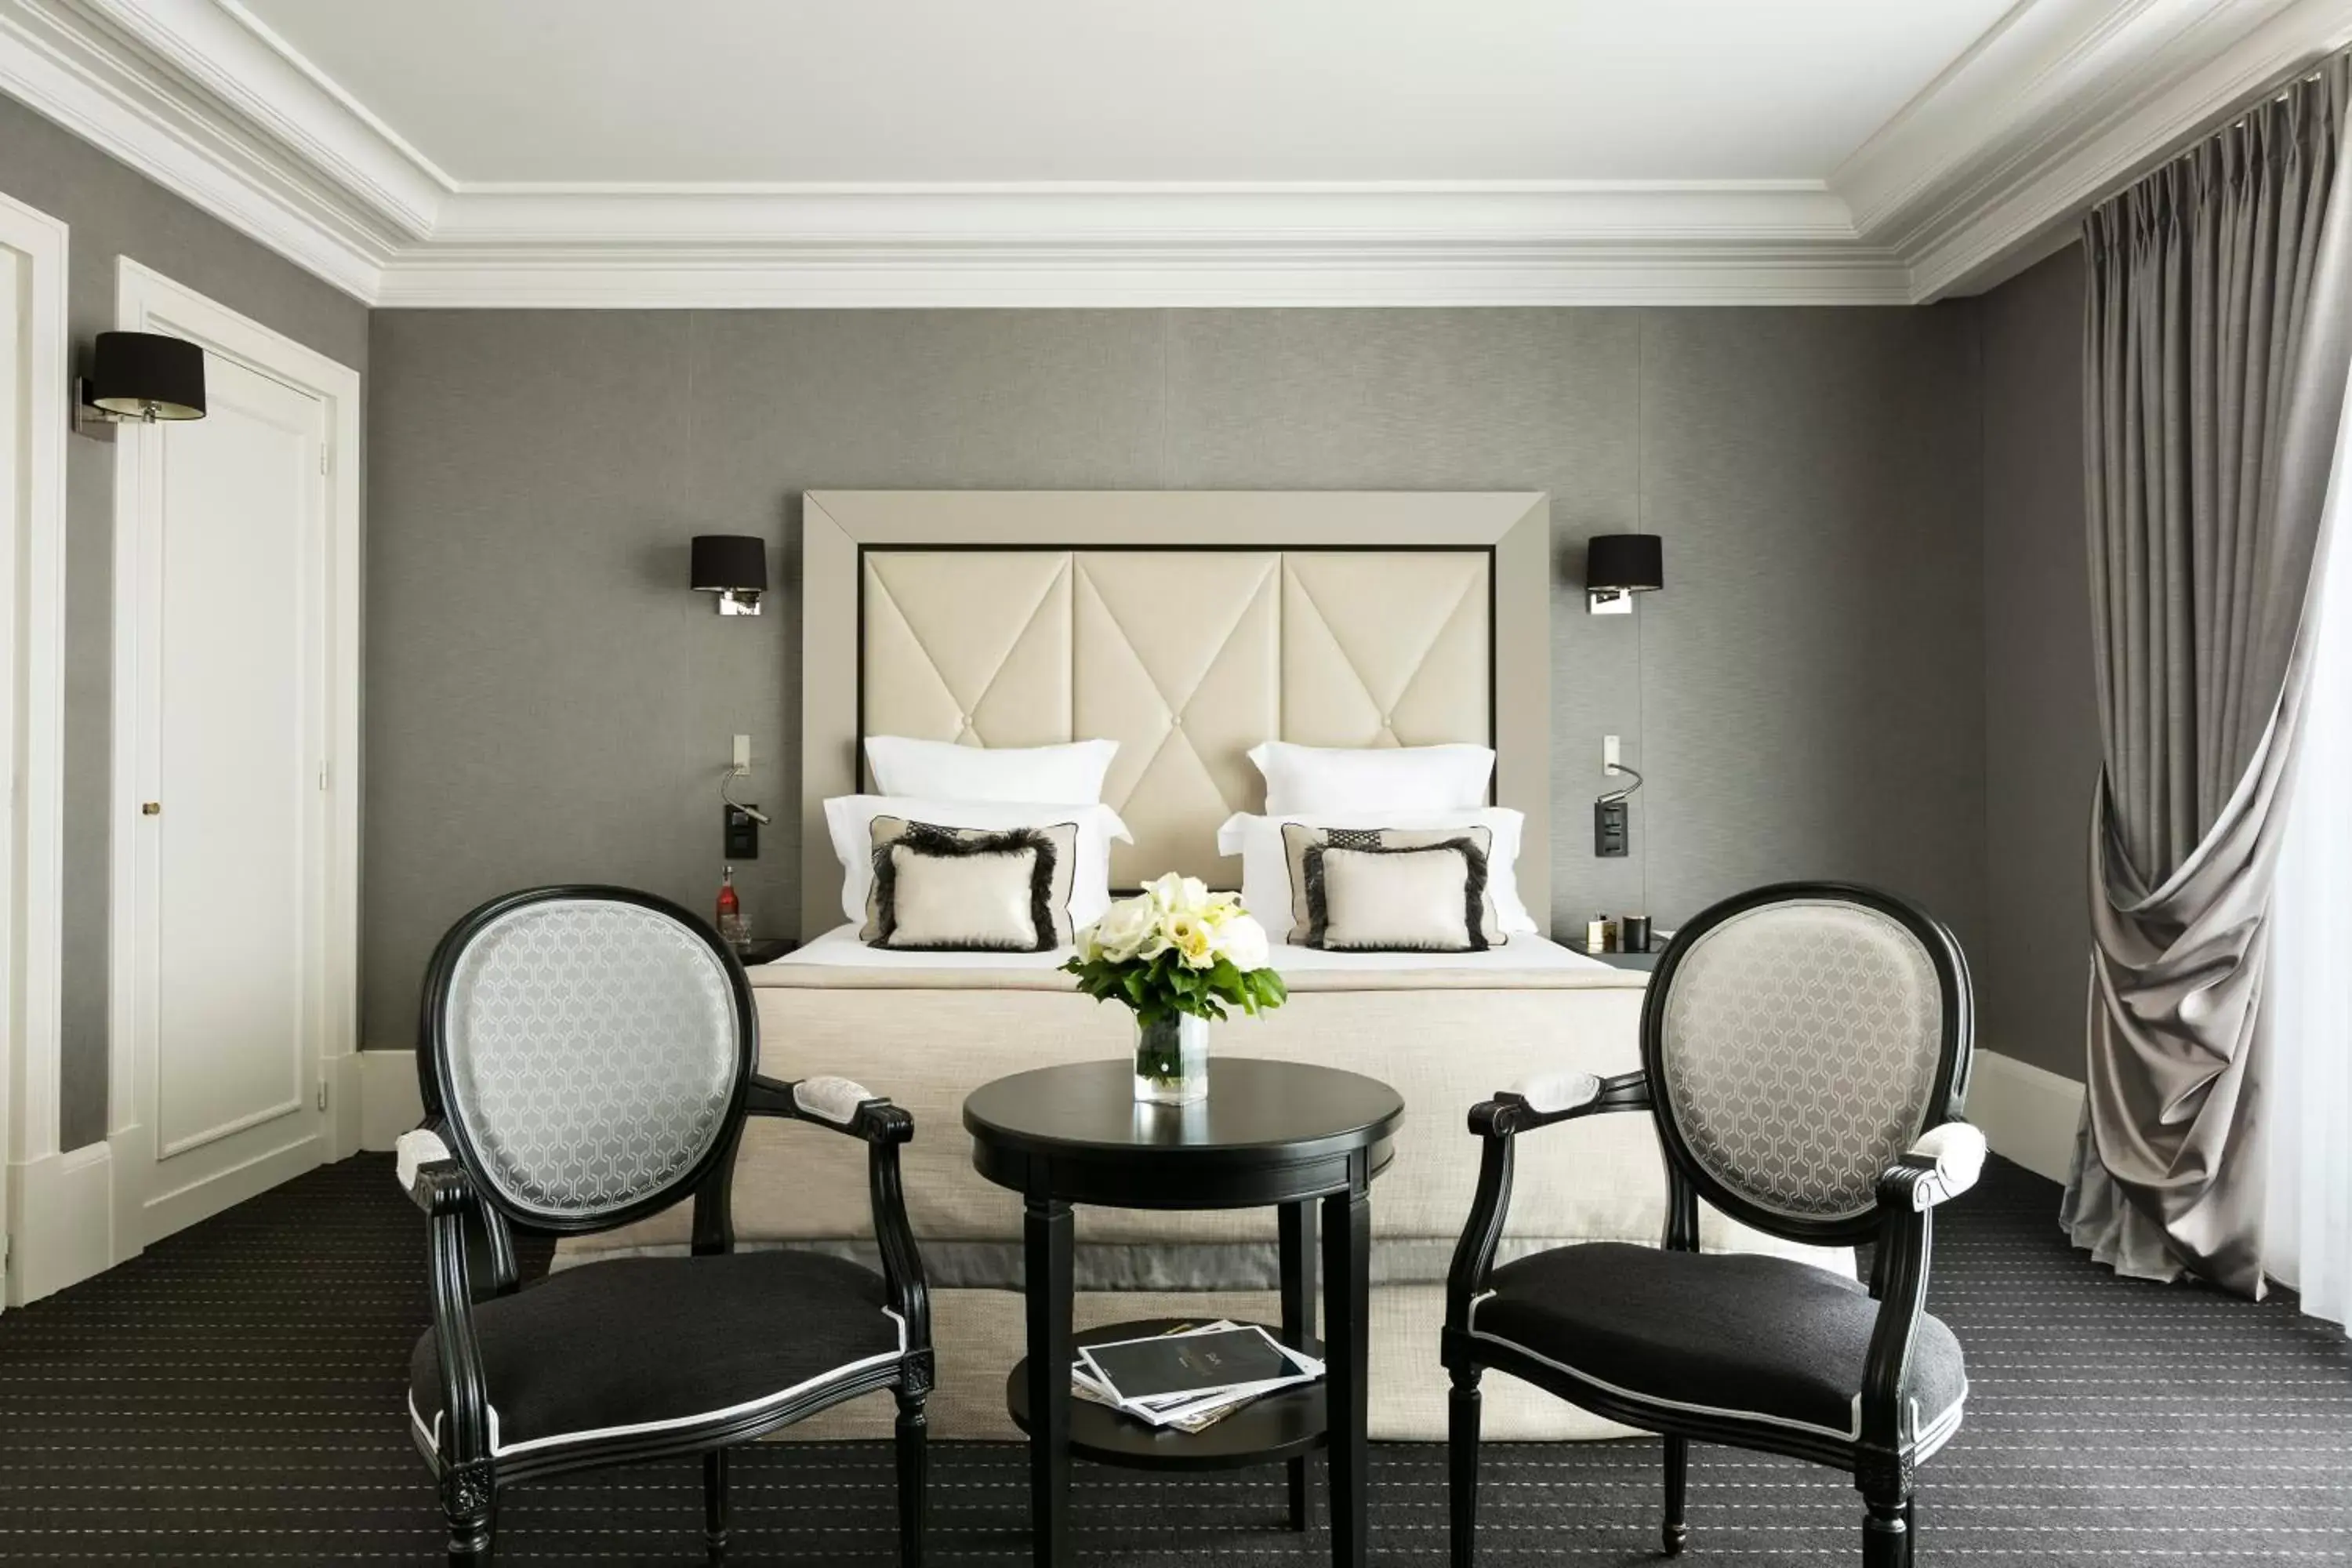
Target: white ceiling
[[951, 90], [1152, 153]]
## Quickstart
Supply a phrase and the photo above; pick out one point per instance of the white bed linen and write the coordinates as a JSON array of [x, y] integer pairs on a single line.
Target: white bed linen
[[840, 948]]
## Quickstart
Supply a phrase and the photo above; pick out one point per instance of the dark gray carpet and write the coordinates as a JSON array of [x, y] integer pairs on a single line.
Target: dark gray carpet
[[235, 1395]]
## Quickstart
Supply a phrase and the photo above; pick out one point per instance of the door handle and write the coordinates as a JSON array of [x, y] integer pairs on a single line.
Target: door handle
[[151, 808]]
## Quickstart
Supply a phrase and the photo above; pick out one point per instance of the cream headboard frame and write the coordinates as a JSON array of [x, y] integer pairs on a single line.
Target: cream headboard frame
[[1272, 608]]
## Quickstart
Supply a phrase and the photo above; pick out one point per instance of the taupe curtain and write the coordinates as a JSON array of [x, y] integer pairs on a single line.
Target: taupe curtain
[[2218, 336]]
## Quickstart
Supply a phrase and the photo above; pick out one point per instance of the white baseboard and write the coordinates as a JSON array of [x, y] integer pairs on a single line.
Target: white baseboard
[[60, 1222], [2029, 1114], [389, 1103], [164, 1213], [346, 1099]]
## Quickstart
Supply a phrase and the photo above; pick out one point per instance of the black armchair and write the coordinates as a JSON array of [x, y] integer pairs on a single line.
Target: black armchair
[[1805, 1055], [586, 1060]]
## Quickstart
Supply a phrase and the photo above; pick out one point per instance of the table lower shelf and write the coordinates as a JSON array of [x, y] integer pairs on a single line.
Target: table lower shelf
[[1272, 1427]]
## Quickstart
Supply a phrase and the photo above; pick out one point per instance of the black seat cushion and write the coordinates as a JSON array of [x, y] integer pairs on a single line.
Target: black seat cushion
[[1733, 1332], [639, 1340]]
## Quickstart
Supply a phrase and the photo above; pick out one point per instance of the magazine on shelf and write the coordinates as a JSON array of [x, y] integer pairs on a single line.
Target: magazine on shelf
[[1191, 1375]]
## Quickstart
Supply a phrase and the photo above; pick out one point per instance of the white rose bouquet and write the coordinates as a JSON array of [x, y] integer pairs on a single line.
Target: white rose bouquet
[[1177, 948]]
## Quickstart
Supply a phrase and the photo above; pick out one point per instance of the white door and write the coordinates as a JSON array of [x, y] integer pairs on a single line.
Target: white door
[[54, 1219], [14, 314], [228, 933]]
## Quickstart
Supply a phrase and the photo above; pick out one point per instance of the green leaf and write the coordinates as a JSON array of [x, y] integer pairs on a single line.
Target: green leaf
[[1162, 987]]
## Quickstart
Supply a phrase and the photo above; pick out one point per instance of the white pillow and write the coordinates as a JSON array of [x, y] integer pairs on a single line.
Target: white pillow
[[1325, 779], [847, 819], [1266, 869], [942, 770]]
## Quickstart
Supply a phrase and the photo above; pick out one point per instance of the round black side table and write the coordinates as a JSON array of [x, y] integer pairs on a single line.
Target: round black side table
[[1270, 1134]]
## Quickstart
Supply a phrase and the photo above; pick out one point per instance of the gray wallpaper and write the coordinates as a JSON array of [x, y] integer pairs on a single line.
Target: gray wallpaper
[[2041, 729], [547, 701], [113, 212]]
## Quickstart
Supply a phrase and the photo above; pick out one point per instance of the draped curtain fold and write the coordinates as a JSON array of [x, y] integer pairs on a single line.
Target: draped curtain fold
[[2218, 332]]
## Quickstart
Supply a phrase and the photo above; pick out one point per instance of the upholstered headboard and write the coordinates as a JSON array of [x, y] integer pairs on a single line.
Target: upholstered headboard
[[1008, 619]]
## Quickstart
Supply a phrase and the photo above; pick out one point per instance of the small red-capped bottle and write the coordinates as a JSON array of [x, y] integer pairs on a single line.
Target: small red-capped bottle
[[732, 929]]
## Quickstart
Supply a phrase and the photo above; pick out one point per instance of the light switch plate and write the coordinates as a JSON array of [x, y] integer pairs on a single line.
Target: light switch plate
[[1609, 753], [742, 763]]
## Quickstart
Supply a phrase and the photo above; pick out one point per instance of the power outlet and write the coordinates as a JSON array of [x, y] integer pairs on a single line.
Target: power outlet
[[743, 835], [1613, 830]]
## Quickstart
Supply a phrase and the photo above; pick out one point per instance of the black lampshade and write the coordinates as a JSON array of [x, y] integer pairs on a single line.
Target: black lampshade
[[729, 562], [146, 375], [1635, 562]]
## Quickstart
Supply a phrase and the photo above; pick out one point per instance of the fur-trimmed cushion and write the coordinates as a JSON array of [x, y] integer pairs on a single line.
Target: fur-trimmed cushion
[[1475, 925], [969, 889]]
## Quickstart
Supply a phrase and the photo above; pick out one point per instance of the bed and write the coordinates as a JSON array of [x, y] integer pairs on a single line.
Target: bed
[[1006, 618]]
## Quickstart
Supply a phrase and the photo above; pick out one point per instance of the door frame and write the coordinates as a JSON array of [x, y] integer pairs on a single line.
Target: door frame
[[148, 300], [47, 1233]]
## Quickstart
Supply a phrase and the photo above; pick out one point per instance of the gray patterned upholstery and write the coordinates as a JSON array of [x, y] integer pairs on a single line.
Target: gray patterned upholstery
[[592, 1052], [1800, 1046]]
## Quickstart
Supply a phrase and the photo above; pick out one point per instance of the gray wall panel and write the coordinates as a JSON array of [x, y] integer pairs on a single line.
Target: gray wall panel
[[549, 702], [2042, 727], [546, 699], [1449, 399], [112, 212], [1811, 674]]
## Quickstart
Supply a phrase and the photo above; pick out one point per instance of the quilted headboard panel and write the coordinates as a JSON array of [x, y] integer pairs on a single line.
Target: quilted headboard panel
[[1187, 658], [1009, 618], [965, 645]]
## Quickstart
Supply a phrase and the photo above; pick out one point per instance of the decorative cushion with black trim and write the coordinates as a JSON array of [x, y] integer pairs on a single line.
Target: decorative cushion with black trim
[[1391, 889], [658, 1342], [969, 889], [1735, 1333]]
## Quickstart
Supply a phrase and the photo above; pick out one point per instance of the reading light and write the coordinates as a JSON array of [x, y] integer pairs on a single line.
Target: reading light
[[735, 568], [1619, 565], [141, 378]]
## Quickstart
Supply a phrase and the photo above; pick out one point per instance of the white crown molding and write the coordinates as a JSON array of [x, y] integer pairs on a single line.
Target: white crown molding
[[1478, 213], [1104, 244], [233, 58], [912, 274], [2039, 59], [58, 61], [1980, 174], [2062, 104]]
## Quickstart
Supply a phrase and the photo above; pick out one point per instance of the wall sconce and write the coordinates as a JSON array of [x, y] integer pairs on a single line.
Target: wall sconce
[[735, 568], [139, 378], [1619, 565]]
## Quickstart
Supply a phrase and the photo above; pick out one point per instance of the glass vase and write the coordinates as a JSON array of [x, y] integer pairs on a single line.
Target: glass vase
[[1171, 1061]]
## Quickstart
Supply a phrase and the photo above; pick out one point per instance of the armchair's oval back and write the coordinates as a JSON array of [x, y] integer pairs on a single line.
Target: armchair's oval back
[[1798, 1040], [591, 1048]]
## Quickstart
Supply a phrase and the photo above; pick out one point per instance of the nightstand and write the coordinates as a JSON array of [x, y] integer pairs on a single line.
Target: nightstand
[[765, 950], [1643, 961]]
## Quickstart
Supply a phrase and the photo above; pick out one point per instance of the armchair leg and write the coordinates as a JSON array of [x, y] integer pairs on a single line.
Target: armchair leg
[[1675, 1534], [714, 1502], [1886, 1529], [469, 1542], [914, 1476], [1462, 1463], [469, 1505]]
